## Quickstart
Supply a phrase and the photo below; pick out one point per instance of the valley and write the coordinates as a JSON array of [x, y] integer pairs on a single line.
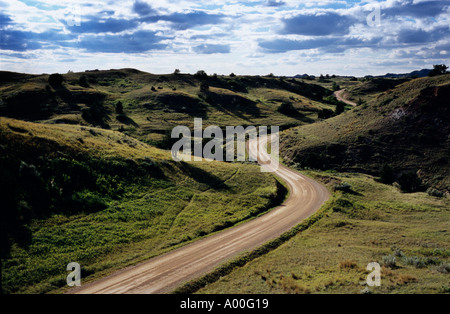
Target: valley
[[87, 175]]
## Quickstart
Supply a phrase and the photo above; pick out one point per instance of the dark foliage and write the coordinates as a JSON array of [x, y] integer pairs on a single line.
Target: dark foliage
[[387, 174], [287, 109], [83, 81], [55, 80], [438, 69], [326, 114], [409, 182]]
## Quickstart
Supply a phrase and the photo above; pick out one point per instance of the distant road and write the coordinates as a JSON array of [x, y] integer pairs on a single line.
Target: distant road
[[338, 94], [164, 273]]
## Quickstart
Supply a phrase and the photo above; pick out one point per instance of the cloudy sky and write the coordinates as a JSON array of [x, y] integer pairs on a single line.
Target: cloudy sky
[[284, 37]]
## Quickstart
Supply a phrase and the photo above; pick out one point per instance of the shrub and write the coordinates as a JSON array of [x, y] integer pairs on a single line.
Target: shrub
[[434, 192], [387, 174], [398, 252], [340, 108], [88, 202], [390, 261], [201, 74], [119, 108], [444, 268], [55, 80], [438, 69], [335, 87], [83, 81], [204, 87], [415, 261], [410, 182], [287, 108], [325, 114]]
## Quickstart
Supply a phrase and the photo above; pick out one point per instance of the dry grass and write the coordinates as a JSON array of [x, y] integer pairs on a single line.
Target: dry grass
[[349, 264]]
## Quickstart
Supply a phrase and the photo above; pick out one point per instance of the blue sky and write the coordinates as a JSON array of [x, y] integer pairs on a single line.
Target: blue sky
[[257, 37]]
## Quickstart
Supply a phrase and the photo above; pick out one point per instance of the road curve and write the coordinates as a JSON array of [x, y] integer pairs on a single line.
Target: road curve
[[164, 273], [339, 96]]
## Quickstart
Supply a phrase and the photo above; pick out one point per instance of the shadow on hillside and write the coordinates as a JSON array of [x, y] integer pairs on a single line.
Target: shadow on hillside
[[126, 120], [203, 177]]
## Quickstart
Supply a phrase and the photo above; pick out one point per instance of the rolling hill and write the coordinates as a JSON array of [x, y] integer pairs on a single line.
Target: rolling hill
[[406, 128], [107, 200], [152, 105], [85, 174]]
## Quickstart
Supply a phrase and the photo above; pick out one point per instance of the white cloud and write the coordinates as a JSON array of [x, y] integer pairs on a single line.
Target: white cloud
[[410, 30]]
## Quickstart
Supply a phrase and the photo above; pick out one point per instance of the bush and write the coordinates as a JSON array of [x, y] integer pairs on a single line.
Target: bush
[[387, 174], [335, 87], [287, 108], [414, 261], [434, 192], [410, 182], [204, 87], [444, 268], [390, 261], [55, 80], [87, 202], [325, 114], [340, 108], [201, 74], [83, 81], [119, 108], [398, 252], [438, 69]]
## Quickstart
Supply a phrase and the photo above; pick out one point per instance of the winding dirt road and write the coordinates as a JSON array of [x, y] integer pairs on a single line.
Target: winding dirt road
[[164, 273], [339, 96]]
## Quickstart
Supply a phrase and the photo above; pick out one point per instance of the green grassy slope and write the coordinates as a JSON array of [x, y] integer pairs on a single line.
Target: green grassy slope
[[406, 128], [105, 200], [373, 222]]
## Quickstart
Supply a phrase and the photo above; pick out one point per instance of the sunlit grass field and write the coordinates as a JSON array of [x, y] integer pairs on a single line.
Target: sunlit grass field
[[161, 206], [407, 234]]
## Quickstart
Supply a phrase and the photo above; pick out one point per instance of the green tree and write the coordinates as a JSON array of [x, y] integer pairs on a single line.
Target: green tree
[[410, 182], [325, 114], [119, 108], [83, 81], [201, 74], [340, 108], [287, 108], [204, 87], [438, 69], [335, 87], [55, 80], [387, 175]]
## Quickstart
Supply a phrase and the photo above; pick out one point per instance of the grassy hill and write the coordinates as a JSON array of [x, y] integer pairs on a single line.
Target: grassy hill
[[154, 104], [404, 129], [106, 200], [80, 181], [84, 177]]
